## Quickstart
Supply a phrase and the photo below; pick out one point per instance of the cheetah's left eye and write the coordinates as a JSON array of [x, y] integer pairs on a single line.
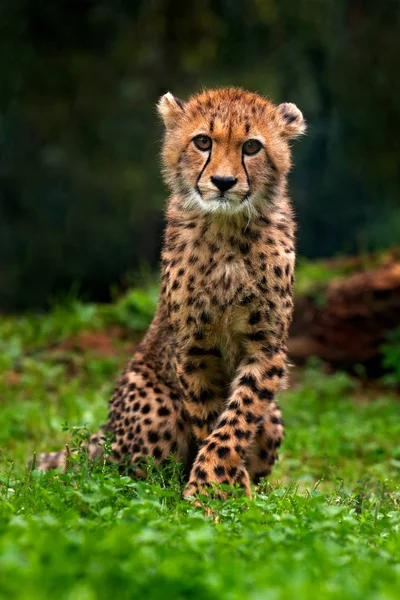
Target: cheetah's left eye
[[202, 142], [251, 147]]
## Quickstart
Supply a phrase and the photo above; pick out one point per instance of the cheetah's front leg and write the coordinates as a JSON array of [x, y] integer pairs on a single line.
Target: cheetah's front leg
[[221, 459], [197, 367]]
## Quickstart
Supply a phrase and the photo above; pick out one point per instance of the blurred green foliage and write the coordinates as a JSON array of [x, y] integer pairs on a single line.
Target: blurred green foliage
[[80, 192], [326, 525]]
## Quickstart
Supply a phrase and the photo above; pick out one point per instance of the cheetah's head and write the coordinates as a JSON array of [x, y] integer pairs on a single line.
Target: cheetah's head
[[227, 150]]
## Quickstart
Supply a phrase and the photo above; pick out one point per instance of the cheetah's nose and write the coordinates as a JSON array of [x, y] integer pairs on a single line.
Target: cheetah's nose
[[223, 183]]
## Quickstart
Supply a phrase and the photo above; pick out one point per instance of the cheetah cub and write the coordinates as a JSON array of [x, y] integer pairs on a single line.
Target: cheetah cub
[[203, 382]]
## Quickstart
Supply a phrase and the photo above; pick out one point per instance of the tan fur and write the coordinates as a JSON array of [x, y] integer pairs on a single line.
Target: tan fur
[[207, 372]]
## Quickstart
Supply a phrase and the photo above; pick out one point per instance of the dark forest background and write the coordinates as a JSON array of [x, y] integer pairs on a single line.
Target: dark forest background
[[81, 197]]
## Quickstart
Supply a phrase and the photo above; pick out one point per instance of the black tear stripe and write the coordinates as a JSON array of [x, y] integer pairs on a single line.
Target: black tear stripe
[[248, 180], [201, 173]]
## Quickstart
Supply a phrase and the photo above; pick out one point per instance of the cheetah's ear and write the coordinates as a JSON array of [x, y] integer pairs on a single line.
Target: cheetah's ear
[[170, 108], [291, 119]]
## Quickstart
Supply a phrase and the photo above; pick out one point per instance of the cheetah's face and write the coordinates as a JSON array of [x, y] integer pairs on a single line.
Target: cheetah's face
[[227, 150]]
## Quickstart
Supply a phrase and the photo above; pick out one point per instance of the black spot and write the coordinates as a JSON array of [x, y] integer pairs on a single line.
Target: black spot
[[239, 434], [278, 271], [223, 451], [193, 397], [153, 437], [219, 470], [143, 393], [157, 453], [246, 300], [197, 421], [266, 394], [244, 248], [167, 436], [254, 317], [274, 371], [247, 400], [276, 421], [239, 450], [190, 367], [201, 474], [205, 317], [251, 360], [197, 351], [249, 381], [205, 395], [146, 409], [251, 418], [163, 411]]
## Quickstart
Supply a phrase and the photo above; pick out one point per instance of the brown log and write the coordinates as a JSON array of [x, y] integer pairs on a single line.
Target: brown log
[[345, 321]]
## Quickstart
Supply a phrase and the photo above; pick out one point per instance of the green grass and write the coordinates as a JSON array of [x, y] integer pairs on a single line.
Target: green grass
[[326, 525]]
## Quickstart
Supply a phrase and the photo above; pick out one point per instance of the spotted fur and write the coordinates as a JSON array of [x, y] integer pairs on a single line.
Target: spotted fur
[[206, 375]]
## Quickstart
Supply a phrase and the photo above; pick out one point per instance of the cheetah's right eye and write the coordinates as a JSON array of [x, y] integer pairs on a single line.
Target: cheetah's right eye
[[202, 142]]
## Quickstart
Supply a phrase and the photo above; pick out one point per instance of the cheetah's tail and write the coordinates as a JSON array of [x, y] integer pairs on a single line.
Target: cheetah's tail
[[61, 459]]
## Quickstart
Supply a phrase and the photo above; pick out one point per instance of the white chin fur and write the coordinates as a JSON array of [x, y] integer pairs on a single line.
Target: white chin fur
[[194, 201]]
